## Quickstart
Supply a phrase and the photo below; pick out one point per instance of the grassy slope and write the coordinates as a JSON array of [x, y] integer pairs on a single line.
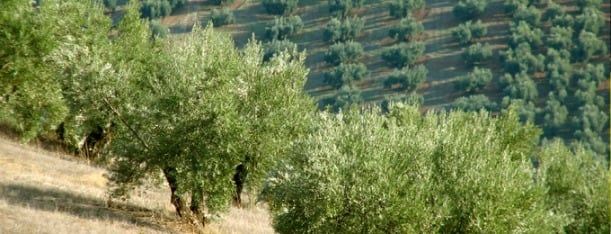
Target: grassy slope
[[47, 192]]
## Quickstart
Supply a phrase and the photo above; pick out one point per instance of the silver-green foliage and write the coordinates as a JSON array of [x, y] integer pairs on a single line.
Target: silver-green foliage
[[210, 109], [407, 173]]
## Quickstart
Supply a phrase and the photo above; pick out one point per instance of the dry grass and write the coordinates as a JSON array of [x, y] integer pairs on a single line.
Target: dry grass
[[48, 192]]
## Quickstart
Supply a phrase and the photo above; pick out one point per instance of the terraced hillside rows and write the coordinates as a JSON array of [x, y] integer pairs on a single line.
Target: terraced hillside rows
[[443, 56]]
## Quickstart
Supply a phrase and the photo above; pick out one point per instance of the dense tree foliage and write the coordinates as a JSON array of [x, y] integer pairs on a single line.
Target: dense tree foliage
[[403, 54], [159, 8], [466, 32], [402, 8], [475, 81], [407, 29], [530, 15], [345, 73], [473, 103], [519, 86], [221, 17], [284, 27], [346, 52], [341, 8], [521, 59], [522, 32], [408, 78], [403, 173], [477, 53], [470, 9], [276, 47], [280, 7], [343, 30]]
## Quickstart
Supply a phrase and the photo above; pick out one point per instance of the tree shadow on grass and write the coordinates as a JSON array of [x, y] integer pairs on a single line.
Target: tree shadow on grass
[[54, 200]]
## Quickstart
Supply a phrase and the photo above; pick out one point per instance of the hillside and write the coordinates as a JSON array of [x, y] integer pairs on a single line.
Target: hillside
[[48, 192]]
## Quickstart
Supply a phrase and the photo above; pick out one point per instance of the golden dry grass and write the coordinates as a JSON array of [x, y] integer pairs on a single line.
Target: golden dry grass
[[48, 192]]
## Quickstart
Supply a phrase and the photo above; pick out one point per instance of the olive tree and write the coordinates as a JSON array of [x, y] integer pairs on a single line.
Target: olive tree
[[402, 8], [473, 103], [408, 29], [403, 54], [475, 81], [280, 7], [284, 27], [347, 52], [208, 151], [470, 9], [343, 30], [363, 172], [345, 73], [466, 32], [477, 53], [408, 78]]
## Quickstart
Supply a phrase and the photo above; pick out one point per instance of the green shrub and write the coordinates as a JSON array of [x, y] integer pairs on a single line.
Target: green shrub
[[158, 29], [275, 47]]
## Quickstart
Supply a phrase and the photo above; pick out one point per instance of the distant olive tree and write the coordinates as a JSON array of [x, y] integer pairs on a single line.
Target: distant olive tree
[[347, 52], [407, 29], [519, 86], [345, 73], [284, 27], [470, 9], [408, 78], [473, 103], [466, 32], [403, 54], [280, 7], [475, 81], [402, 8], [477, 53], [343, 30], [222, 17], [522, 32]]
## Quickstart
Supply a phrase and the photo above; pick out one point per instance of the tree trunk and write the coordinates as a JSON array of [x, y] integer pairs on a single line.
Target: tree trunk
[[175, 199], [238, 179]]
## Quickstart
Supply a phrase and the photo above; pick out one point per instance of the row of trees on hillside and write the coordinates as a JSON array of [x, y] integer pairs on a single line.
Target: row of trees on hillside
[[563, 58]]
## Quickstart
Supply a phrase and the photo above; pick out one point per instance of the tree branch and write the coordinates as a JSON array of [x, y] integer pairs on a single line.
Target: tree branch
[[132, 130]]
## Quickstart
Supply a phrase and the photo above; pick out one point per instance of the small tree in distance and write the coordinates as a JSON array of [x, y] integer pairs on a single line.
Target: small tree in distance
[[474, 81], [466, 32], [470, 9], [344, 74], [477, 53], [280, 7], [343, 30], [407, 29], [403, 54], [347, 52], [408, 78], [284, 27], [402, 8]]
